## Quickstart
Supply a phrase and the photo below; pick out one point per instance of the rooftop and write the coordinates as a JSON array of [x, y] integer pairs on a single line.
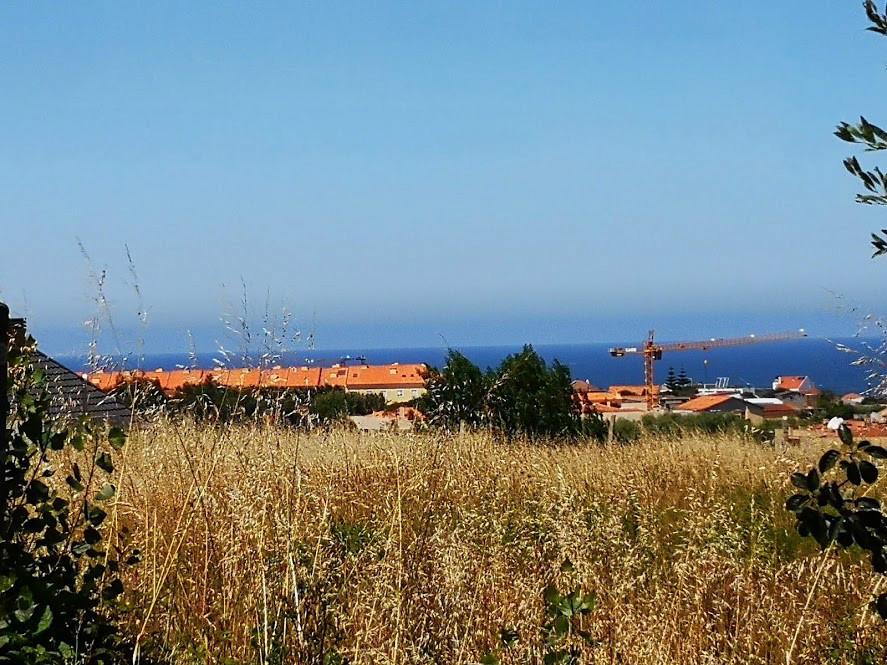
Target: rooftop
[[366, 377], [705, 402]]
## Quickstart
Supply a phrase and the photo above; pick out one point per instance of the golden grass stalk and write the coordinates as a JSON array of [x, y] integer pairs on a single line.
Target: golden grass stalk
[[268, 545]]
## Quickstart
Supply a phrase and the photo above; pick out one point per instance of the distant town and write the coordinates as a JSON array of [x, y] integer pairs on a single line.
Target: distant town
[[794, 399]]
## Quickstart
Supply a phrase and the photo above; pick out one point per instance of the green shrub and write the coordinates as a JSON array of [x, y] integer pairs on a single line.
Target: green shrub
[[626, 431], [674, 425], [833, 505], [58, 577]]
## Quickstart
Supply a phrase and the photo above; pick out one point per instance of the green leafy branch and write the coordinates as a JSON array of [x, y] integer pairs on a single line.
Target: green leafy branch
[[833, 506]]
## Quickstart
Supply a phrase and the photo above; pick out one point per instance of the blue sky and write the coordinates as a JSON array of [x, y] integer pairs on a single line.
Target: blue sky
[[402, 173]]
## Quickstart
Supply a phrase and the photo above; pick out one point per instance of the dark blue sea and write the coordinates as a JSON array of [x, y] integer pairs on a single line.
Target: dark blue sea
[[754, 365]]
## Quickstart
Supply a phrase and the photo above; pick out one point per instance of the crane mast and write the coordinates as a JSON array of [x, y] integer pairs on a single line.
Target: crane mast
[[652, 351]]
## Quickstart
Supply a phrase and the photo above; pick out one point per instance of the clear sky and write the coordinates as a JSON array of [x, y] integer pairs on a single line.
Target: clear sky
[[406, 173]]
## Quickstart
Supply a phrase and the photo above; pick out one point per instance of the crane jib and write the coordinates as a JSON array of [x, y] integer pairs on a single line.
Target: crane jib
[[653, 351]]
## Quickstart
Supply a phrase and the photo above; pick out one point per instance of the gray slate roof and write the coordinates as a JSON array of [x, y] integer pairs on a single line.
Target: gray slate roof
[[72, 395]]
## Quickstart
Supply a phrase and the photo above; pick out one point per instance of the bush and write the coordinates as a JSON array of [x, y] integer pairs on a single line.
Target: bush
[[834, 505], [330, 406], [58, 578], [626, 431], [674, 425]]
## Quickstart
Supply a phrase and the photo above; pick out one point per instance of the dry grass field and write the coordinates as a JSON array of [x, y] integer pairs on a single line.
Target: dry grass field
[[266, 545]]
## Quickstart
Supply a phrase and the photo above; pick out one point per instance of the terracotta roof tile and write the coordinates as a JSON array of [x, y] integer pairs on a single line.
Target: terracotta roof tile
[[791, 382], [704, 403], [366, 377]]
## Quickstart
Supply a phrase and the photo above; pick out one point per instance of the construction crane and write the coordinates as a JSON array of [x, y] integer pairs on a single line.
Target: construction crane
[[652, 351]]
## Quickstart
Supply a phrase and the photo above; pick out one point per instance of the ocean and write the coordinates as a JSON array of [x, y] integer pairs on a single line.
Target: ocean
[[754, 365]]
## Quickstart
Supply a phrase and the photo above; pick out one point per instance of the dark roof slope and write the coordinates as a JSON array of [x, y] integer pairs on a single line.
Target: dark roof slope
[[72, 395]]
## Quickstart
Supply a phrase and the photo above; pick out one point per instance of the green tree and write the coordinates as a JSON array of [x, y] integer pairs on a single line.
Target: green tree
[[873, 139], [330, 406], [456, 396], [829, 405], [522, 397], [671, 381], [530, 399], [363, 404]]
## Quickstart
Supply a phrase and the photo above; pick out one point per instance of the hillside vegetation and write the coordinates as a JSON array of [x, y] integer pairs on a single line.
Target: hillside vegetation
[[262, 544]]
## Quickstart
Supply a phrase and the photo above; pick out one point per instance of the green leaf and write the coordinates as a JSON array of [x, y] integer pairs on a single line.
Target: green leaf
[[560, 657], [22, 615], [45, 620], [103, 461], [75, 484], [94, 514], [877, 452], [34, 525], [117, 437], [796, 502], [561, 625], [845, 434], [828, 460], [881, 605], [77, 442], [551, 594], [113, 590], [37, 490], [813, 480], [6, 582], [853, 474], [799, 480], [91, 535], [57, 440], [107, 491], [868, 471]]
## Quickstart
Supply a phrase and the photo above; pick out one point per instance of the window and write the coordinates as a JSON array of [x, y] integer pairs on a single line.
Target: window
[[414, 393], [400, 392]]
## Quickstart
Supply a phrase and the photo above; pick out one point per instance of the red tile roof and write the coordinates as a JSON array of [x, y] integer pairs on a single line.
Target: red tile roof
[[360, 377], [704, 403], [633, 391], [790, 382]]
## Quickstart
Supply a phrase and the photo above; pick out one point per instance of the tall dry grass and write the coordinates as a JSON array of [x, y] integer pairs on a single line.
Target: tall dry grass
[[267, 545]]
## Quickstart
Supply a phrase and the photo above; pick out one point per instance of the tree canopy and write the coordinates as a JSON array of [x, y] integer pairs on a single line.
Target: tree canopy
[[524, 396]]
